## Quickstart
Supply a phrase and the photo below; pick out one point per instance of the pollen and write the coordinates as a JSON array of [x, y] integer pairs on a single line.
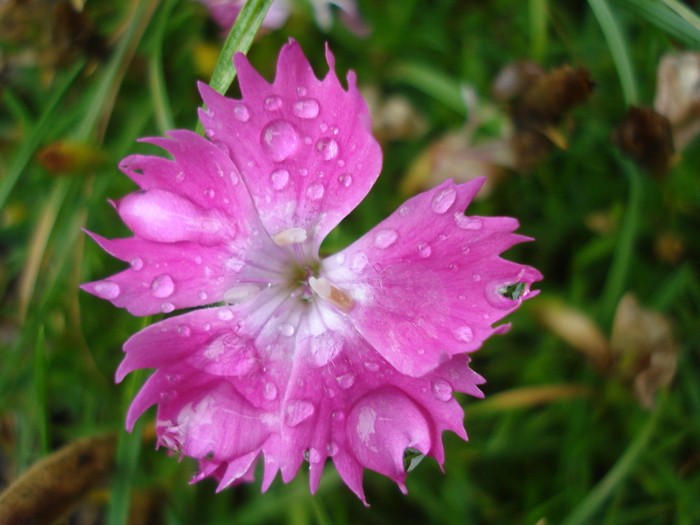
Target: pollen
[[330, 293]]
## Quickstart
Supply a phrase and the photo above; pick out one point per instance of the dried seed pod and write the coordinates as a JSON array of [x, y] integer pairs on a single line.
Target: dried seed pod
[[53, 486], [646, 137], [678, 95]]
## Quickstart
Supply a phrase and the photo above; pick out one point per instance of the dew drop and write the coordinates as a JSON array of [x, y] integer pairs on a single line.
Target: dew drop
[[272, 103], [198, 259], [270, 391], [107, 290], [137, 263], [404, 211], [476, 277], [464, 334], [202, 295], [234, 178], [225, 314], [279, 179], [346, 380], [372, 367], [166, 308], [162, 286], [441, 389], [240, 111], [323, 127], [209, 193], [359, 262], [332, 449], [340, 258], [301, 91], [173, 378], [279, 140], [315, 191], [468, 223], [314, 456], [184, 330], [338, 415], [297, 412], [443, 199], [210, 132], [307, 108], [345, 180], [168, 395], [385, 238], [424, 250], [286, 330], [206, 327], [327, 148]]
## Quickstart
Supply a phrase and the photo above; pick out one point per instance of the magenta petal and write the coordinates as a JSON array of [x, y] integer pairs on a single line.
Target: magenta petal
[[302, 145], [428, 283]]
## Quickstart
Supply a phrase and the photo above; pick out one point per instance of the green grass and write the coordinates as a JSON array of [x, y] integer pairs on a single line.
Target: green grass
[[597, 457]]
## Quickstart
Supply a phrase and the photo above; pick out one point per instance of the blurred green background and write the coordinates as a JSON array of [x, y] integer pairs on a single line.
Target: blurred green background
[[584, 419]]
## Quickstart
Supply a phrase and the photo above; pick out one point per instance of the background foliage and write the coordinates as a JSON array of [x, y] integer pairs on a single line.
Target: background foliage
[[584, 451]]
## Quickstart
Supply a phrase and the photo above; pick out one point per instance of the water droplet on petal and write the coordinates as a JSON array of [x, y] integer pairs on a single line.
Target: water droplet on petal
[[327, 148], [225, 314], [240, 111], [346, 380], [184, 330], [210, 133], [273, 103], [443, 199], [404, 211], [286, 330], [279, 179], [338, 415], [202, 295], [234, 178], [166, 308], [298, 411], [198, 259], [279, 140], [162, 286], [307, 108], [468, 223], [332, 449], [173, 378], [270, 391], [424, 250], [314, 456], [385, 238], [441, 389], [107, 290], [315, 191], [476, 277], [464, 334], [372, 367], [206, 327], [301, 91], [359, 262], [137, 263], [345, 180]]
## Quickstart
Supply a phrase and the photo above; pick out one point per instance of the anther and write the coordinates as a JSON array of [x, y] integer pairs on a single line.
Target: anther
[[290, 236], [330, 293]]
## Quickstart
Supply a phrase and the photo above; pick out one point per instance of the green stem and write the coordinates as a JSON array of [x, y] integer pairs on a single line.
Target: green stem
[[618, 49], [617, 474], [616, 280], [239, 39], [156, 77], [538, 29]]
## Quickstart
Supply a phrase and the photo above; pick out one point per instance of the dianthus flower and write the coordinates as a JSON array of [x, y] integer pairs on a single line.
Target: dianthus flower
[[353, 357]]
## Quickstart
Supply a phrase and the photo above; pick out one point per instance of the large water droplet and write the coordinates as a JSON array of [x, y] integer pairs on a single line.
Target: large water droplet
[[137, 263], [385, 238], [107, 290], [315, 191], [297, 412], [441, 389], [464, 334], [327, 148], [225, 314], [345, 180], [443, 199], [162, 286], [166, 308], [240, 111], [424, 250], [307, 108], [359, 262], [346, 380], [279, 140], [286, 330], [279, 179], [468, 223], [270, 391], [273, 103]]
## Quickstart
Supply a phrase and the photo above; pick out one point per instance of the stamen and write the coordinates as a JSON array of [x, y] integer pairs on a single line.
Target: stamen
[[330, 293], [240, 293], [290, 236]]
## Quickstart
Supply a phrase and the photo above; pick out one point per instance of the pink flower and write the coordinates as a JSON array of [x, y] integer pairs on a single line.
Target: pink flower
[[353, 357], [225, 12]]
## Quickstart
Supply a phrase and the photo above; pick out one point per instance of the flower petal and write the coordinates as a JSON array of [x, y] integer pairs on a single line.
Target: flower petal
[[427, 283], [302, 145]]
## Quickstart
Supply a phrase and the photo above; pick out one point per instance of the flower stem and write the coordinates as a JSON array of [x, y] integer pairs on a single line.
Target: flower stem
[[239, 39]]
